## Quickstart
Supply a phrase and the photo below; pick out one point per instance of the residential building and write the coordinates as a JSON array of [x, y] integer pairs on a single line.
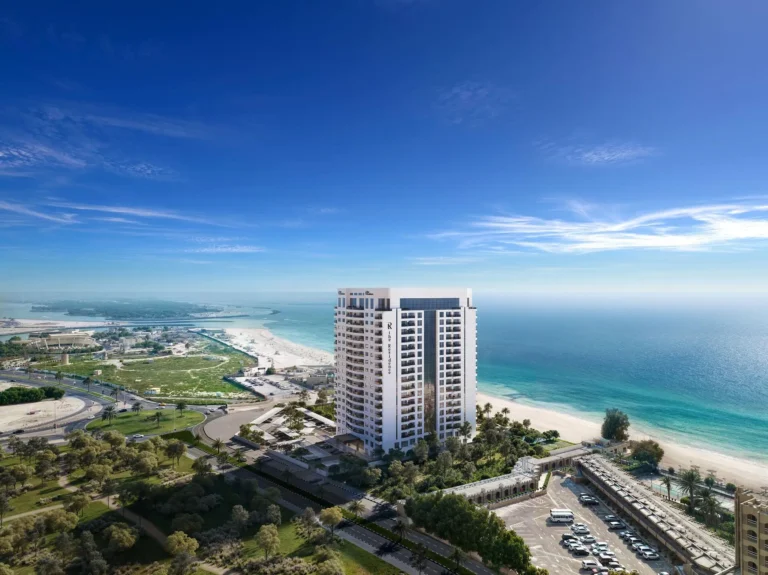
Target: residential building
[[406, 361], [751, 513]]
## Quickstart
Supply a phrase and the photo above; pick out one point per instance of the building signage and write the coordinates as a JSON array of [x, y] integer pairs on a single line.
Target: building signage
[[389, 348]]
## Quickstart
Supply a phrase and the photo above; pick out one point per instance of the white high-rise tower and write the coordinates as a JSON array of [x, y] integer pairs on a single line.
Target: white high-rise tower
[[406, 362]]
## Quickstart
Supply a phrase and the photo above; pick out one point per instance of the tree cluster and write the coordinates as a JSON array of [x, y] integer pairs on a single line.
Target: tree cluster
[[615, 425], [648, 451], [470, 528], [16, 395]]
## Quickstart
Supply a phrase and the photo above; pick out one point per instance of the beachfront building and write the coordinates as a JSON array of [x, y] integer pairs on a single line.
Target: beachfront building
[[751, 532], [406, 362]]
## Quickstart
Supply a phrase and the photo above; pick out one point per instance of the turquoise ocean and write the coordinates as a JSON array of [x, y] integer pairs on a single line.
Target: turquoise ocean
[[696, 375]]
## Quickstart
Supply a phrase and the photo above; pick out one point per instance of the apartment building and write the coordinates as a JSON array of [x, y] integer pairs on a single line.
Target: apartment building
[[406, 362], [751, 532]]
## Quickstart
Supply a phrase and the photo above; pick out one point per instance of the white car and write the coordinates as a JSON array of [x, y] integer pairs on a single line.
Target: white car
[[650, 556], [137, 436], [577, 525], [588, 539], [589, 564]]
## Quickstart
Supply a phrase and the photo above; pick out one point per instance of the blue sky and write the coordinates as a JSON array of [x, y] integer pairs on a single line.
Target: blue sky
[[569, 147]]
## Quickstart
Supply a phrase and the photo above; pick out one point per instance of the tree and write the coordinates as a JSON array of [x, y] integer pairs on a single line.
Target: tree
[[268, 539], [201, 466], [418, 559], [137, 407], [666, 481], [181, 406], [179, 542], [120, 536], [182, 564], [187, 522], [217, 445], [615, 425], [304, 396], [109, 414], [421, 451], [158, 417], [77, 502], [689, 483], [49, 565], [710, 482], [465, 430], [273, 515], [648, 451], [240, 516], [109, 488], [175, 449], [457, 556], [92, 562], [710, 508], [331, 517], [356, 507], [322, 396], [5, 507], [87, 383], [400, 528]]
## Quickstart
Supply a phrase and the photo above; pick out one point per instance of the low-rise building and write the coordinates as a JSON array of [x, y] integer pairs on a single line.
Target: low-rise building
[[751, 512]]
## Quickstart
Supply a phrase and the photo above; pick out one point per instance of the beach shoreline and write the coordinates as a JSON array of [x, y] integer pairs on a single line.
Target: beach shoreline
[[276, 351], [737, 470]]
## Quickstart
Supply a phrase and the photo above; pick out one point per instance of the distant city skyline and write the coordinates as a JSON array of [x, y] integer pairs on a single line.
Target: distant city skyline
[[589, 149]]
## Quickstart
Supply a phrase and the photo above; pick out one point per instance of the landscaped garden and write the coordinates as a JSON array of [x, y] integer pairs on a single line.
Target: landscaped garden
[[148, 422]]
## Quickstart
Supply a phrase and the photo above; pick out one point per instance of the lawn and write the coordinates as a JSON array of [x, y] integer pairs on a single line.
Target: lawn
[[42, 494], [557, 444], [193, 376], [142, 422], [356, 561], [184, 467]]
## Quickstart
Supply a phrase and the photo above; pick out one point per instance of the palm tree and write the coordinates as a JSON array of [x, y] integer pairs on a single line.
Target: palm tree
[[59, 376], [87, 383], [418, 558], [689, 481], [356, 507], [137, 407], [710, 482], [666, 481], [158, 416], [487, 408], [217, 445], [115, 391], [710, 508], [181, 406], [109, 413], [457, 556], [400, 528]]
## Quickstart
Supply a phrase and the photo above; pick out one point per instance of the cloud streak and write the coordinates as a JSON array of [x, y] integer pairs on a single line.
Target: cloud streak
[[227, 249], [30, 212], [603, 154], [131, 211], [695, 228], [472, 103]]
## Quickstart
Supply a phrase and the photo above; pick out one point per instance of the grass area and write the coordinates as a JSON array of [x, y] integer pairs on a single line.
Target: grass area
[[43, 494], [325, 409], [143, 422], [356, 561], [557, 444], [183, 468], [193, 376]]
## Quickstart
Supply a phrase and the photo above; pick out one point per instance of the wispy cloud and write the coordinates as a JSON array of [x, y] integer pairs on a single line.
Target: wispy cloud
[[226, 249], [601, 154], [132, 211], [472, 103], [33, 213], [194, 262], [144, 170], [694, 228], [120, 221], [326, 211], [442, 260]]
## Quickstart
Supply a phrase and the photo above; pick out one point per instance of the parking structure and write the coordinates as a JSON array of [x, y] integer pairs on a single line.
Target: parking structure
[[530, 519]]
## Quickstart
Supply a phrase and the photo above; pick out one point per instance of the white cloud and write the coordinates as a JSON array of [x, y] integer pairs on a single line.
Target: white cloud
[[27, 211], [442, 260], [120, 221], [600, 154], [695, 228], [227, 249], [472, 103], [130, 211]]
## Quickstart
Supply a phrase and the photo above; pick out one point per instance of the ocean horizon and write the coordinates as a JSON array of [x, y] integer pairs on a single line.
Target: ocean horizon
[[695, 375]]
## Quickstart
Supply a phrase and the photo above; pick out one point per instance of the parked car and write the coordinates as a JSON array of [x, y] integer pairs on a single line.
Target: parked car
[[580, 552], [588, 539], [581, 531], [577, 525], [590, 502], [606, 557], [589, 564], [18, 431], [650, 556], [610, 518], [122, 410], [614, 525], [569, 537]]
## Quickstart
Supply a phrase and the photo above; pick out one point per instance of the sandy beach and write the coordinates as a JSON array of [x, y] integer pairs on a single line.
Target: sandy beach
[[573, 428], [275, 350]]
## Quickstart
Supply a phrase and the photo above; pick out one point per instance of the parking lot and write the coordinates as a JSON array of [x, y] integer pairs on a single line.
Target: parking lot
[[530, 520]]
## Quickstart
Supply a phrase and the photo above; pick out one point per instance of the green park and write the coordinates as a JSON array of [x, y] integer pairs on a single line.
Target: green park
[[146, 422]]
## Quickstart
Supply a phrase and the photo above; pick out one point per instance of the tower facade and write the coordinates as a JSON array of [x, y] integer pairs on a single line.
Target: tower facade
[[406, 362]]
